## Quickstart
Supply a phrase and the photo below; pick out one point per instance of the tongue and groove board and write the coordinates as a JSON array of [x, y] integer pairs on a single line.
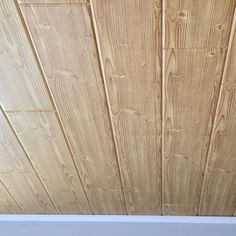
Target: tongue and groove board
[[197, 23], [7, 202], [64, 40], [187, 123], [196, 36], [45, 144], [26, 101], [219, 193], [117, 107], [129, 37], [21, 86], [17, 174]]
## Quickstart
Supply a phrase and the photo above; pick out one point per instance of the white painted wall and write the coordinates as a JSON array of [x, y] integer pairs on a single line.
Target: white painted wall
[[36, 225]]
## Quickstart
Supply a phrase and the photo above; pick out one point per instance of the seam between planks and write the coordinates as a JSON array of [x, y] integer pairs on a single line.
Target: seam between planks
[[28, 157], [158, 80], [233, 31], [43, 76], [163, 32], [102, 71], [226, 64], [11, 196]]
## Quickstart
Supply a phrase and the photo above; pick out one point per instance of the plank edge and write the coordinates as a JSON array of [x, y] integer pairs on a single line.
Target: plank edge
[[43, 77], [102, 71], [224, 75]]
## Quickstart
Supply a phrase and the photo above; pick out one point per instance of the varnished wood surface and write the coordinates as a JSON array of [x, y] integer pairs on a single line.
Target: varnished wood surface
[[65, 35], [117, 107]]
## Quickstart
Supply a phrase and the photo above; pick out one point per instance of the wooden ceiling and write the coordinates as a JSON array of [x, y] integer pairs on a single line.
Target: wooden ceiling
[[118, 107]]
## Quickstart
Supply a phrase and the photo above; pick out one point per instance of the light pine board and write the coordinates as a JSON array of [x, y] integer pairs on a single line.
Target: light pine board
[[21, 86], [129, 36], [64, 40], [138, 110], [44, 142], [197, 23], [18, 175], [219, 192], [27, 102], [191, 85], [196, 35], [7, 203]]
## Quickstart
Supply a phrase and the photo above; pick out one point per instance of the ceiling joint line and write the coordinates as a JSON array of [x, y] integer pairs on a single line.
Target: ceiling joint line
[[162, 106]]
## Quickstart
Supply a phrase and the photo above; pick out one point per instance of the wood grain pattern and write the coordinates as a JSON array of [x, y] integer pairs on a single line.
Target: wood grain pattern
[[18, 175], [196, 35], [45, 144], [129, 36], [21, 86], [197, 23], [118, 106], [65, 43], [7, 203], [54, 2], [219, 193], [192, 79]]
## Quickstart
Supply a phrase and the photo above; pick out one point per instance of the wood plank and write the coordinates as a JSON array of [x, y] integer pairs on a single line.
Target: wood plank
[[129, 36], [195, 39], [219, 193], [21, 86], [18, 175], [7, 203], [64, 40], [191, 86], [197, 23], [44, 142]]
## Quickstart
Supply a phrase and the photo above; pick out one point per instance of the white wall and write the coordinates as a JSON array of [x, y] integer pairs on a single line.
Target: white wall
[[32, 225]]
